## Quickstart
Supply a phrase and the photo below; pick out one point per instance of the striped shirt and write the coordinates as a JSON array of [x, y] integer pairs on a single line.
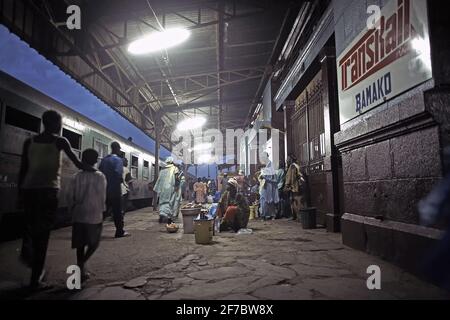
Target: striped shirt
[[87, 197]]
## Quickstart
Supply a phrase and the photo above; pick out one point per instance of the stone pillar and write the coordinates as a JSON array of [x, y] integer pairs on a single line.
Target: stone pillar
[[332, 165]]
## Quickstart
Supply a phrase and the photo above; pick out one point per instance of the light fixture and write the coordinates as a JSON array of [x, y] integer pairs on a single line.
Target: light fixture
[[422, 48], [191, 123], [204, 158], [157, 41], [201, 146]]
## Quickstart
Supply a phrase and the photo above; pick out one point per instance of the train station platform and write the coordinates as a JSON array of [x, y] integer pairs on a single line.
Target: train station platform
[[279, 260]]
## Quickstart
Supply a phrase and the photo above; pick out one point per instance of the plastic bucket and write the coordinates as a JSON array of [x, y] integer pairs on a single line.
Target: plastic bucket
[[188, 219], [308, 218], [203, 231]]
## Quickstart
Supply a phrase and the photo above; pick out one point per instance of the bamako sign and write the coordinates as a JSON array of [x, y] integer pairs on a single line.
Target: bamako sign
[[385, 61]]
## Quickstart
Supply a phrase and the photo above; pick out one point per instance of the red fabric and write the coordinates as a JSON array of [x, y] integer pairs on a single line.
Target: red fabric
[[230, 213]]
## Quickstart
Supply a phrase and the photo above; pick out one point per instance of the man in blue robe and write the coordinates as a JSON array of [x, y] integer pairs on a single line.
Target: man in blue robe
[[167, 187]]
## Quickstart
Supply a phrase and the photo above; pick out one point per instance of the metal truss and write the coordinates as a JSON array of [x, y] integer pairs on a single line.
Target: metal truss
[[194, 86], [184, 11], [95, 57]]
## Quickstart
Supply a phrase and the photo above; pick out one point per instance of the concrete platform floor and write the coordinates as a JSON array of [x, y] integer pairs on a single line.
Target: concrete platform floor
[[279, 260]]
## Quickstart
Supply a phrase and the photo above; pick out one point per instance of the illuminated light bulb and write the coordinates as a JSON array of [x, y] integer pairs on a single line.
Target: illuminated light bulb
[[158, 41], [191, 123], [205, 158], [202, 146], [422, 47]]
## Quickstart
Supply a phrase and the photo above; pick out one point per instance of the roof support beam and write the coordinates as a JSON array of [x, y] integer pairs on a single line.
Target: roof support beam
[[204, 104], [138, 118], [194, 24], [205, 91], [242, 72]]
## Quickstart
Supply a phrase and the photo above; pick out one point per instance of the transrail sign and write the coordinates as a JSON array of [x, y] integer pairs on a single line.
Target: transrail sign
[[386, 60]]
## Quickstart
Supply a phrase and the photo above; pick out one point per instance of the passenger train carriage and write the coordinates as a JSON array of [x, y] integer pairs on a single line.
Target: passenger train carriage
[[21, 108]]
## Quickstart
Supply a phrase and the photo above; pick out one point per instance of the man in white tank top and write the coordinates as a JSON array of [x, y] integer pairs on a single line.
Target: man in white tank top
[[39, 184]]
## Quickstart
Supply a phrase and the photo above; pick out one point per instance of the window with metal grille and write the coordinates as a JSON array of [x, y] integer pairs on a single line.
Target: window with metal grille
[[308, 132], [316, 122], [22, 120], [299, 134]]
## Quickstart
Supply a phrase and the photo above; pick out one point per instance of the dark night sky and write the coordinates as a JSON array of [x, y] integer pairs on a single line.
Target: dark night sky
[[24, 63]]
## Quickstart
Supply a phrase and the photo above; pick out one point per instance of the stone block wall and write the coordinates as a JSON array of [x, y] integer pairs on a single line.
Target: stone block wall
[[386, 179], [392, 156]]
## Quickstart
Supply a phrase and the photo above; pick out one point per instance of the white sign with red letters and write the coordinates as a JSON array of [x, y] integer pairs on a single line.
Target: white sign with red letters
[[384, 61]]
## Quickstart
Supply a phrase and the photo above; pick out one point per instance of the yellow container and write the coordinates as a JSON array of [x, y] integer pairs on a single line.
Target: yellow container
[[252, 213], [203, 231]]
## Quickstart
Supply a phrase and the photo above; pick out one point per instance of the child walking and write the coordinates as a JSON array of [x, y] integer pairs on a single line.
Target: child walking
[[87, 198]]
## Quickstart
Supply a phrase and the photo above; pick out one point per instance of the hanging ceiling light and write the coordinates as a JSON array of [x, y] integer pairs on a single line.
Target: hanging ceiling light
[[191, 123], [205, 159], [157, 41], [201, 146]]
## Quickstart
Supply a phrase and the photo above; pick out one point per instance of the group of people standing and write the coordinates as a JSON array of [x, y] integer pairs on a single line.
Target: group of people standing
[[92, 192], [202, 188], [282, 192]]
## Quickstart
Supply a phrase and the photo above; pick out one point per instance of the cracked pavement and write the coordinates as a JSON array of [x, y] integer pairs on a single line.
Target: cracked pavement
[[279, 261]]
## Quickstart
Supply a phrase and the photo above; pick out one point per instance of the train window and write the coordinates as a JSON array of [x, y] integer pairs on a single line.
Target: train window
[[22, 120], [153, 172], [101, 148], [134, 166], [74, 139], [146, 170]]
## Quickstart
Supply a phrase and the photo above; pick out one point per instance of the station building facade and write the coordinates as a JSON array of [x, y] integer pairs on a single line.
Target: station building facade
[[366, 107]]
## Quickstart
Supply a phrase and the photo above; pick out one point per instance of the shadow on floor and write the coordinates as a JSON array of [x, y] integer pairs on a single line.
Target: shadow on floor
[[25, 293]]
